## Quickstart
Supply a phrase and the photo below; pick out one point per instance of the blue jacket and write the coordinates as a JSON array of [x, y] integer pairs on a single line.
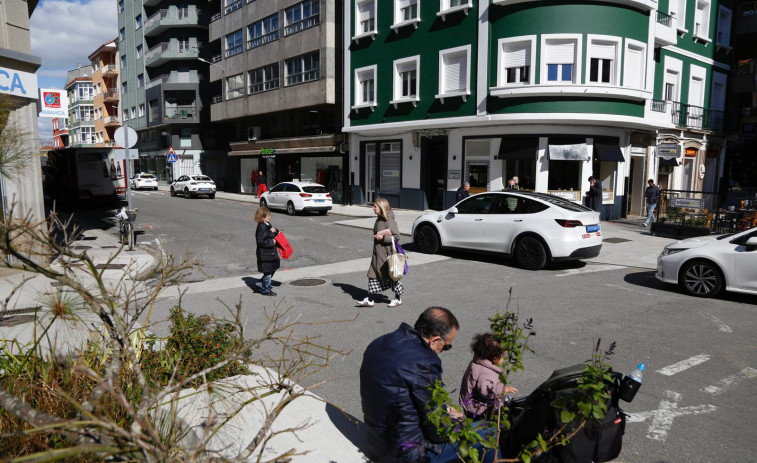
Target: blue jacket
[[396, 370]]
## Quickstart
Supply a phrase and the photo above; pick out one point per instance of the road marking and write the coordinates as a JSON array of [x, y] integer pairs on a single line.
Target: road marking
[[721, 325], [684, 365], [629, 289], [590, 269], [662, 418], [733, 380]]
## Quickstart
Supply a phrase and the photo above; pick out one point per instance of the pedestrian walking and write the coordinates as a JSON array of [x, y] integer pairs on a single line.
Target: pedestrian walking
[[652, 195], [262, 188], [384, 230], [462, 192], [268, 255], [481, 392]]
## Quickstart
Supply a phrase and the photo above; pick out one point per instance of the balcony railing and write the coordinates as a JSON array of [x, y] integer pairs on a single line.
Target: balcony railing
[[658, 106], [262, 40], [217, 99], [298, 26], [664, 19], [111, 94], [697, 117], [216, 59], [159, 79], [180, 112], [110, 120], [159, 48], [109, 69], [215, 17]]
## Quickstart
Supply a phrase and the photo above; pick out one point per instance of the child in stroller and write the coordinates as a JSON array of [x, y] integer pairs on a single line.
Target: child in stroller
[[481, 392]]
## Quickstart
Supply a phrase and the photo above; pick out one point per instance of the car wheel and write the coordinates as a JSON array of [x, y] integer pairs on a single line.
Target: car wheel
[[701, 278], [290, 208], [173, 192], [212, 196], [427, 240], [186, 193], [530, 254], [263, 203]]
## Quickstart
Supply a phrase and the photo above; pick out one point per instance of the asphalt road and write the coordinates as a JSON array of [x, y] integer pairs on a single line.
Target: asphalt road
[[697, 403]]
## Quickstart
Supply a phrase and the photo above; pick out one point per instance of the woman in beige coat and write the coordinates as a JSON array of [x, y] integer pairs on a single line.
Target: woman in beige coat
[[378, 273]]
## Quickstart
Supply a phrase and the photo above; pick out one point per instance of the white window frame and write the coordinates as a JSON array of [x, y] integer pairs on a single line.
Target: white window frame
[[443, 55], [399, 66], [702, 21], [238, 92], [360, 75], [643, 71], [577, 39], [142, 110], [723, 33], [673, 66], [359, 32], [697, 73], [446, 7], [617, 64], [125, 114], [133, 112], [502, 44], [680, 16], [399, 21]]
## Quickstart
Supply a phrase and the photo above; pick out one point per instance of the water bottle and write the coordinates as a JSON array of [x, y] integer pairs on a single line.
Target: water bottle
[[631, 383]]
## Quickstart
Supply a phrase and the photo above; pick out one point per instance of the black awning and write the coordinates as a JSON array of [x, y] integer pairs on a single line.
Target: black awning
[[608, 152], [668, 162], [519, 148]]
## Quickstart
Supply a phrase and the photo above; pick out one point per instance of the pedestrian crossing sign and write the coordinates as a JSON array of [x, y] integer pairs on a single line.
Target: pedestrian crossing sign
[[171, 155]]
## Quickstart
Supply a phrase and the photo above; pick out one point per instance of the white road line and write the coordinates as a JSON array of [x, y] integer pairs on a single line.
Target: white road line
[[684, 365], [727, 383], [721, 325], [589, 269], [662, 418], [629, 289]]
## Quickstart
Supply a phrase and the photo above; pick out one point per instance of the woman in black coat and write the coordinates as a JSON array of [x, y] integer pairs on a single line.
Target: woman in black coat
[[268, 255]]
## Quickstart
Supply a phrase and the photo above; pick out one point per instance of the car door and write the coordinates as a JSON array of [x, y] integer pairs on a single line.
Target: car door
[[465, 229], [504, 222], [275, 195], [745, 264], [179, 185], [292, 193]]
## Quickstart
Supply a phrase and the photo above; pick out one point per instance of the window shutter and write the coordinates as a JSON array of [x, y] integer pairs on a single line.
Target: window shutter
[[695, 92], [455, 72], [603, 50], [365, 11], [561, 51], [517, 55], [634, 72], [404, 3]]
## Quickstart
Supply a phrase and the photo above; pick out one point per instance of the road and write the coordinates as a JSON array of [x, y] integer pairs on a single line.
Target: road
[[697, 403]]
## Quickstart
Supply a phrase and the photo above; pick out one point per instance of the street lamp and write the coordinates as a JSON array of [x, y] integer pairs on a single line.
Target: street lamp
[[203, 60]]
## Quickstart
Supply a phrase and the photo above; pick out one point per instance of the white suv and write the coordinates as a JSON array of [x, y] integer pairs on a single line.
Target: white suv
[[142, 180], [194, 185]]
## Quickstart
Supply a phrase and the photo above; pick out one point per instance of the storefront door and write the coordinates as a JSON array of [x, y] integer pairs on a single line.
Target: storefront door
[[370, 172], [434, 171]]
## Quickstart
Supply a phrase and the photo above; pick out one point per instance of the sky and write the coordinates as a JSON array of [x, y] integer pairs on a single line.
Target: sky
[[64, 33]]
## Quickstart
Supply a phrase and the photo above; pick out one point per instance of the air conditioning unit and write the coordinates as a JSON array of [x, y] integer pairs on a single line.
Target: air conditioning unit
[[253, 133]]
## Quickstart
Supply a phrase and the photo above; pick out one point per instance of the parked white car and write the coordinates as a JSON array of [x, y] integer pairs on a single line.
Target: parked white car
[[194, 185], [534, 228], [141, 181], [295, 197], [705, 265]]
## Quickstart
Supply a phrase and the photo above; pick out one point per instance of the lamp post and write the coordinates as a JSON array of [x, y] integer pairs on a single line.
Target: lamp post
[[203, 60]]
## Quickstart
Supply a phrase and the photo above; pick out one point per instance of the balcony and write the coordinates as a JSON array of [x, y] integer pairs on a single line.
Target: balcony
[[173, 18], [111, 121], [216, 99], [665, 32], [110, 70], [169, 51], [180, 112], [173, 79], [112, 94], [697, 117]]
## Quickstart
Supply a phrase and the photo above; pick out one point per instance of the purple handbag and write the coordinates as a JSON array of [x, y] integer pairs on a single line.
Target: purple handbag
[[399, 249]]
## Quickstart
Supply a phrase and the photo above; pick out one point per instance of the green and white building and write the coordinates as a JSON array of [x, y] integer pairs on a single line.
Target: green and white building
[[443, 91]]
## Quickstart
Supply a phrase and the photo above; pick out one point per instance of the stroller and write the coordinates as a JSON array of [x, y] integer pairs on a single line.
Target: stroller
[[533, 415]]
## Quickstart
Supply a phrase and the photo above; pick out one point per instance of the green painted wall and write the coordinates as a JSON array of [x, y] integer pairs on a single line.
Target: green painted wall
[[566, 105]]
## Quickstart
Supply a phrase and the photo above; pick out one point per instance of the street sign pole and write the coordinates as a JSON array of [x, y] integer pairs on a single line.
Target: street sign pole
[[126, 174]]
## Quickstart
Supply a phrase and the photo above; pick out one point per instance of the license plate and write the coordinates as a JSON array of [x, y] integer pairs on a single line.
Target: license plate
[[592, 228], [320, 200]]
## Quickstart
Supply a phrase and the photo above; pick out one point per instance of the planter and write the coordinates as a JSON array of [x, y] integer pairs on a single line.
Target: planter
[[677, 230]]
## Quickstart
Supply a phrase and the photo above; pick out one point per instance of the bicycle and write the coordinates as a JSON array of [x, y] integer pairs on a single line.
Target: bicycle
[[126, 227]]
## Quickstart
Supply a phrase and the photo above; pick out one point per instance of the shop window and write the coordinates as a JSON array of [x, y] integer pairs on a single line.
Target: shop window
[[564, 175]]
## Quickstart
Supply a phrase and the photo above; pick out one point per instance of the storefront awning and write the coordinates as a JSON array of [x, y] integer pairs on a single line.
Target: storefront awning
[[568, 149], [668, 162], [520, 148], [608, 152], [274, 151]]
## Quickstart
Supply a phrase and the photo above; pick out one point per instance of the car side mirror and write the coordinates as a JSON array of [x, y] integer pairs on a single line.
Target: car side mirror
[[751, 244], [452, 210]]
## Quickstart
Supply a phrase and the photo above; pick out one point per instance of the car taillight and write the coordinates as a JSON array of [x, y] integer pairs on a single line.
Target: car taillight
[[569, 223], [305, 195], [193, 183], [328, 195]]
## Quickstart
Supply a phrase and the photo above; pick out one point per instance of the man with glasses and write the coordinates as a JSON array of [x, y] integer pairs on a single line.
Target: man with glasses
[[395, 376]]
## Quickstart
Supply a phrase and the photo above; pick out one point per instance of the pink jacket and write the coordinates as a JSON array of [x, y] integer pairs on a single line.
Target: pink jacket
[[480, 387]]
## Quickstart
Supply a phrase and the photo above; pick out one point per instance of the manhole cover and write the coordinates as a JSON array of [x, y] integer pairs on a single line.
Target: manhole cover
[[110, 266], [615, 240], [308, 282]]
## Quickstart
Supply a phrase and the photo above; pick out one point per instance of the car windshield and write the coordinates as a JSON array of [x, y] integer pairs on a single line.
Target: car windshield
[[558, 201], [315, 189], [202, 178], [149, 176]]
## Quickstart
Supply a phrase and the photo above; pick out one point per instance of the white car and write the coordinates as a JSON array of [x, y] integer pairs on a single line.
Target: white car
[[534, 228], [194, 185], [295, 197], [705, 265], [140, 181]]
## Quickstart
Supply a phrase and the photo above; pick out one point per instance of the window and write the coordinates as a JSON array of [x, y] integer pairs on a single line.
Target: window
[[405, 82], [672, 80], [264, 78], [139, 51], [480, 204], [365, 86], [301, 16], [124, 88], [603, 59], [122, 34], [263, 31], [560, 58], [141, 80], [702, 20], [303, 68], [678, 11], [234, 43], [449, 4], [123, 61], [138, 21], [516, 61], [84, 113], [365, 19], [232, 5], [133, 112], [85, 91], [87, 135], [454, 66], [125, 115], [405, 11], [696, 85], [634, 64], [185, 138], [142, 110], [234, 86], [120, 6], [724, 27]]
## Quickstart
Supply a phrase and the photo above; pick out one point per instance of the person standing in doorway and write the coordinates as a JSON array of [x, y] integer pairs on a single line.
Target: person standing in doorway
[[254, 181], [378, 273], [652, 195], [595, 194], [267, 254], [516, 182], [262, 188], [462, 192]]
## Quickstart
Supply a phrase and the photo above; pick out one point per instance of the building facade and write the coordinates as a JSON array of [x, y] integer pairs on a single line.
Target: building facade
[[550, 92], [276, 70], [106, 96], [163, 86], [60, 133], [19, 93], [81, 108]]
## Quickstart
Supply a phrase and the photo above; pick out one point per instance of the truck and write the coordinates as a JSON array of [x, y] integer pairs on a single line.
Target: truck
[[84, 174]]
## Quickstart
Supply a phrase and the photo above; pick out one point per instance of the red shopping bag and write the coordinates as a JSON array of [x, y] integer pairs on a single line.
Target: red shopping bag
[[285, 249]]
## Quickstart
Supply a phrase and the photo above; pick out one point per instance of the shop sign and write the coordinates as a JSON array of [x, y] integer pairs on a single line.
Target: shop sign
[[668, 150], [686, 202], [268, 151], [453, 174], [390, 173], [691, 152], [53, 102], [17, 83]]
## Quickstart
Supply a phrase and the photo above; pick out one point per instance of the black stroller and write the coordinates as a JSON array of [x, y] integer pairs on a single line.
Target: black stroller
[[533, 415]]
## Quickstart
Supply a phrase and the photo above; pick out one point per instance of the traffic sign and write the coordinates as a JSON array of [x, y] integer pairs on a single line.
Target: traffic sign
[[121, 135], [171, 156]]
